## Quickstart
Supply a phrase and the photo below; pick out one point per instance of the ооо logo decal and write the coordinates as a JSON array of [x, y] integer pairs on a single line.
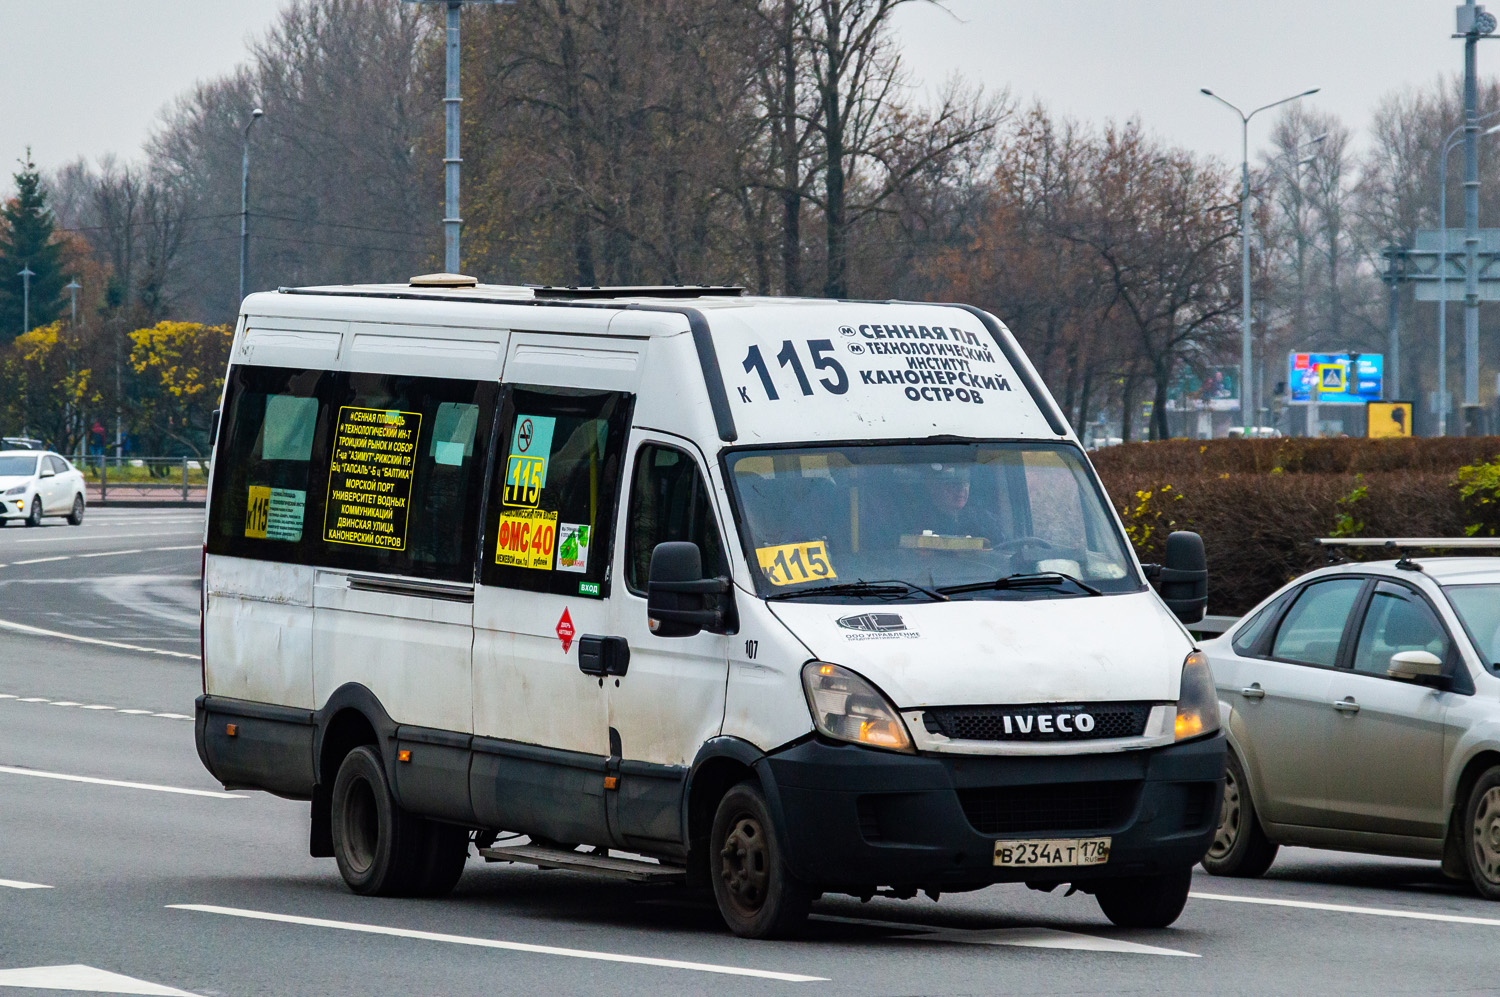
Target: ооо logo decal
[[873, 626]]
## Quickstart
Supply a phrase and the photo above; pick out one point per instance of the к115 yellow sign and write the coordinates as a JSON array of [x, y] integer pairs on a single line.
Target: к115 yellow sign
[[1387, 419]]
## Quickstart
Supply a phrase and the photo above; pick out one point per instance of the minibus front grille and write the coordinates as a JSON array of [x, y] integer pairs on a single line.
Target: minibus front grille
[[1044, 722], [1069, 806]]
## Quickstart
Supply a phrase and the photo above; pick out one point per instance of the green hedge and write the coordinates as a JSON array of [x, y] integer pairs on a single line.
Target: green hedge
[[1260, 503]]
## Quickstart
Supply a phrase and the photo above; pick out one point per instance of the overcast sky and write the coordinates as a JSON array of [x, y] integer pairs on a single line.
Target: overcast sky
[[90, 77]]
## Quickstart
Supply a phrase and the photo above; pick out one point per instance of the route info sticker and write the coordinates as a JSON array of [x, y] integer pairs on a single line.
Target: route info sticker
[[274, 513], [526, 465]]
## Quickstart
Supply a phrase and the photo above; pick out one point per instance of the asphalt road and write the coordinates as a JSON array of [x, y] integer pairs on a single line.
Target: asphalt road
[[153, 873]]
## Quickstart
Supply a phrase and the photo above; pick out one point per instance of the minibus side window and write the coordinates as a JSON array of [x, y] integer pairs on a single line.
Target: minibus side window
[[274, 429], [554, 488], [668, 502], [403, 471]]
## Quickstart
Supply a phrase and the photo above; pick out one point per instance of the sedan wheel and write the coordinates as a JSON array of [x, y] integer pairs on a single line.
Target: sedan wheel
[[1484, 835], [1240, 847], [34, 518], [75, 518]]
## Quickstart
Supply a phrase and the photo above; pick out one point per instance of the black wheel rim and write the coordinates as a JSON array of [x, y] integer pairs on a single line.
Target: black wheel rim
[[745, 865], [361, 826], [1229, 820], [78, 507]]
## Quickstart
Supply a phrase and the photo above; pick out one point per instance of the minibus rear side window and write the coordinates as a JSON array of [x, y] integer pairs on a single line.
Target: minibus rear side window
[[403, 473], [554, 489], [265, 486]]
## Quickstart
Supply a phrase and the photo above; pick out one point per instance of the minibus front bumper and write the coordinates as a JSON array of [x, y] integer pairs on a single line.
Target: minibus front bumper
[[855, 819]]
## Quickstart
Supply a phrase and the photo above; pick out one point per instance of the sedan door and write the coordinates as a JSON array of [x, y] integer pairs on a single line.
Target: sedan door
[[1281, 716], [1386, 766]]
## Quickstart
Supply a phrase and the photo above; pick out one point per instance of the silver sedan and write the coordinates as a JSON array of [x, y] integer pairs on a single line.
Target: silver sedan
[[1362, 706]]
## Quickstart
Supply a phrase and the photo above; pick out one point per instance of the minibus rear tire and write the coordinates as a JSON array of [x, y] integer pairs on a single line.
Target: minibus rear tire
[[378, 846], [757, 895], [1145, 901]]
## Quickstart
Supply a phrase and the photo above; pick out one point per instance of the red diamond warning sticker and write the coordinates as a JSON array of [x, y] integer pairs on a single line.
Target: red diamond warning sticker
[[565, 630]]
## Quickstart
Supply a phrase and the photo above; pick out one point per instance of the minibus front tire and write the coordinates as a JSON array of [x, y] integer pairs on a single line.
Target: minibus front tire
[[381, 849], [1145, 901], [757, 895]]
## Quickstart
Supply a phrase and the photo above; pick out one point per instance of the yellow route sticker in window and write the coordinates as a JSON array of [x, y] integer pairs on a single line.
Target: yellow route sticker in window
[[526, 538], [793, 564], [257, 511]]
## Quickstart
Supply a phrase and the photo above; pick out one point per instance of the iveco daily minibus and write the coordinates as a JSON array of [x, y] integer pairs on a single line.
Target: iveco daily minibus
[[778, 597]]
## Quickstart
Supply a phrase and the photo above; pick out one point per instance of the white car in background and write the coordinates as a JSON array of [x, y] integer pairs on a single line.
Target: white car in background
[[35, 484]]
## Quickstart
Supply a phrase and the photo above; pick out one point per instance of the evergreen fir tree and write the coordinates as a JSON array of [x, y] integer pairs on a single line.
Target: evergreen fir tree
[[26, 230]]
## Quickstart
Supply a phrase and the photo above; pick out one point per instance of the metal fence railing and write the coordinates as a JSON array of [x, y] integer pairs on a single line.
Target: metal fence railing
[[144, 477]]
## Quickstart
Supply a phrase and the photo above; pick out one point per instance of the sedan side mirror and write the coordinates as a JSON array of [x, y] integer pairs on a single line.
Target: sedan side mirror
[[47, 472], [1415, 666], [1182, 580], [680, 602]]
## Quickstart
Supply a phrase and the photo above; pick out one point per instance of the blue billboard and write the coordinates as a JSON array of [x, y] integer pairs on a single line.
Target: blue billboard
[[1340, 378]]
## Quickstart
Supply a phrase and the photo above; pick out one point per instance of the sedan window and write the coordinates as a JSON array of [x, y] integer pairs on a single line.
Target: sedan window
[[17, 467], [1314, 626], [1478, 606], [1398, 620]]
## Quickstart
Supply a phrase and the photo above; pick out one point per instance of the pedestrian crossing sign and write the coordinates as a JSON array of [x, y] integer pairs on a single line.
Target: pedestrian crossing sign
[[1331, 377]]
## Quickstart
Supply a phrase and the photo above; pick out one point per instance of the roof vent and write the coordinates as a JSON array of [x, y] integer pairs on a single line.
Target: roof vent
[[444, 280]]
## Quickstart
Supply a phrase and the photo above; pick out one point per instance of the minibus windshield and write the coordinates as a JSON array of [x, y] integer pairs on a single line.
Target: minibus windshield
[[920, 521]]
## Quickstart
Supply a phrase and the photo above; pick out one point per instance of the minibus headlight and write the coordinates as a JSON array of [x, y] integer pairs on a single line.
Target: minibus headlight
[[847, 707], [1197, 701]]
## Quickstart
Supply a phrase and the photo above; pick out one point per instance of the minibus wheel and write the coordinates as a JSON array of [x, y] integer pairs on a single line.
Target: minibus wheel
[[1145, 901], [1240, 847], [378, 846], [757, 896]]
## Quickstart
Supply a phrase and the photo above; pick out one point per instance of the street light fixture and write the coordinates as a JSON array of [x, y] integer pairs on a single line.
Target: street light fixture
[[1245, 412], [73, 287], [255, 116], [26, 273]]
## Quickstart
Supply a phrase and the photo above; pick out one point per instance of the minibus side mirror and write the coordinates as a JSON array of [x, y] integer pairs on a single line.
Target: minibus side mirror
[[1182, 580], [680, 602]]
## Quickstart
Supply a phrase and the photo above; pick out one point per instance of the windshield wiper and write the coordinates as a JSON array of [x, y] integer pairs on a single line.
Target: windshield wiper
[[1021, 580], [893, 586]]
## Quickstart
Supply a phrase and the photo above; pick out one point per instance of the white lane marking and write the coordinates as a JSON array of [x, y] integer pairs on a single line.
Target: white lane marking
[[38, 631], [489, 943], [12, 770], [63, 702], [135, 712], [36, 699], [1032, 937], [98, 706], [102, 553], [102, 536], [19, 884], [6, 695], [84, 979], [171, 716], [1414, 915]]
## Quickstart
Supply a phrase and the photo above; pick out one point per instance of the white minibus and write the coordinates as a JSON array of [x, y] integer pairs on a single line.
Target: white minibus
[[777, 597]]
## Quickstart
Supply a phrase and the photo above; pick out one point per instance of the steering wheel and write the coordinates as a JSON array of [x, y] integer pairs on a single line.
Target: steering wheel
[[1020, 543]]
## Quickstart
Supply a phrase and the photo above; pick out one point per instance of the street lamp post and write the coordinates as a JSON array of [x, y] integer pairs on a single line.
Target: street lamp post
[[255, 116], [73, 287], [1474, 23], [452, 99], [1449, 144], [1245, 412]]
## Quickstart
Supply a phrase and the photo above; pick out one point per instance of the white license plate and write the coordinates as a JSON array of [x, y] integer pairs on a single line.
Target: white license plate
[[1052, 851]]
